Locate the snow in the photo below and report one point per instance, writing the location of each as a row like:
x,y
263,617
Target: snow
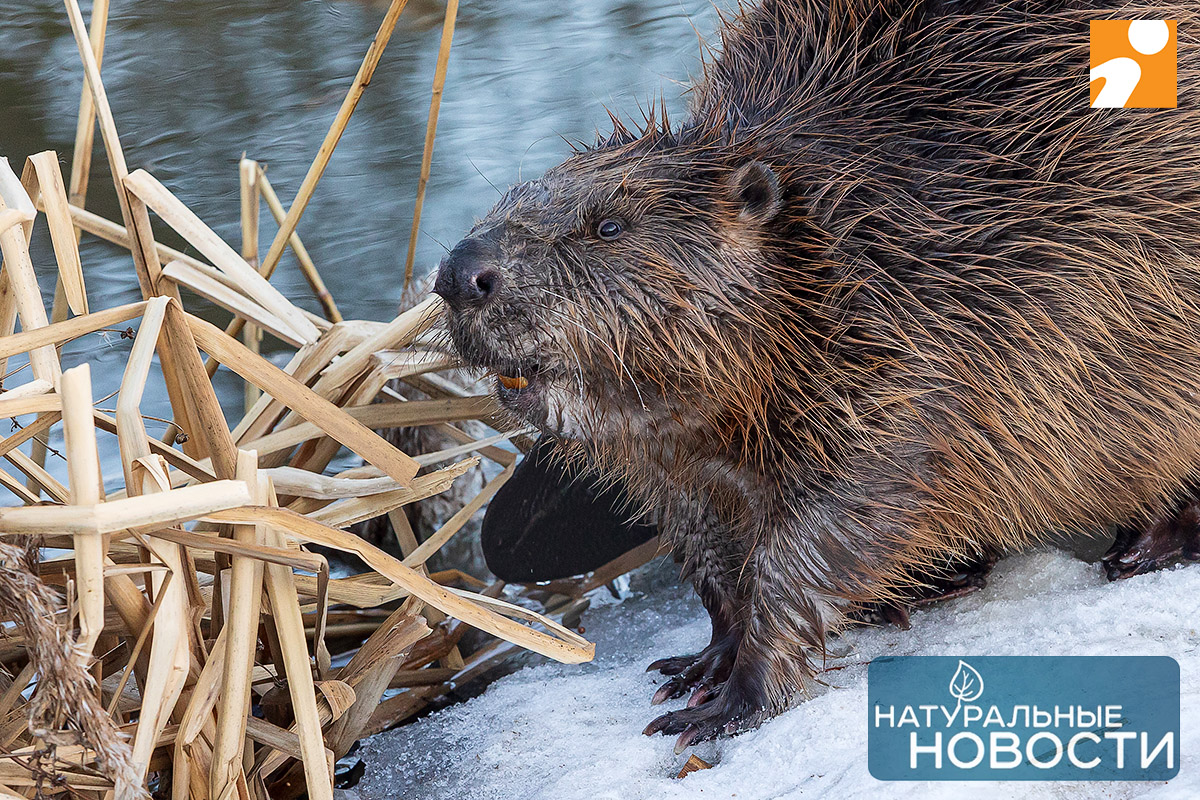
x,y
574,732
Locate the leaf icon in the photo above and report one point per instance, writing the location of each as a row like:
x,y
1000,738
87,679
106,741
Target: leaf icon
x,y
967,683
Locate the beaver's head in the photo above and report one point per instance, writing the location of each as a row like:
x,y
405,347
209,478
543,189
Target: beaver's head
x,y
614,294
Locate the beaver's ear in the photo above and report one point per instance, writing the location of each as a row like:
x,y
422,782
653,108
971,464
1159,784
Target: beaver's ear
x,y
755,190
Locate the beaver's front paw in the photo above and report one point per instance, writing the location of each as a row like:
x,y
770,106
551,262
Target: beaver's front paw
x,y
724,715
705,672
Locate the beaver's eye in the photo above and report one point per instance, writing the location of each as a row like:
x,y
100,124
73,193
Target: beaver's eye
x,y
608,230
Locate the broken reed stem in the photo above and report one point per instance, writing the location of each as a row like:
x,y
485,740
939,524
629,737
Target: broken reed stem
x,y
137,221
442,535
307,267
83,467
317,169
435,104
231,265
63,234
302,257
285,607
81,163
248,172
22,281
85,124
245,598
302,400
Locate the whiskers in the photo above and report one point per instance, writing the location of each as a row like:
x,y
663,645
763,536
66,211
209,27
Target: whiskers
x,y
619,360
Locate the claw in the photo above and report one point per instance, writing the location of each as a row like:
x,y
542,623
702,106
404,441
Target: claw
x,y
669,724
686,738
673,665
705,672
656,725
702,695
664,693
724,713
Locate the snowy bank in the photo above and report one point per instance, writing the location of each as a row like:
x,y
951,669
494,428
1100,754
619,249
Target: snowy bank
x,y
574,732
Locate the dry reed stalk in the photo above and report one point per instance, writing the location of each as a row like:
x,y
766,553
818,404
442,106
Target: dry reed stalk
x,y
22,281
287,227
192,748
316,455
29,186
111,232
331,705
627,562
371,670
335,377
146,187
62,232
249,193
243,307
37,476
165,669
344,513
36,402
23,342
384,415
484,613
35,428
17,488
85,121
12,216
87,487
307,267
170,650
130,513
435,104
455,523
136,220
304,366
365,71
242,622
176,459
285,608
302,400
81,161
131,431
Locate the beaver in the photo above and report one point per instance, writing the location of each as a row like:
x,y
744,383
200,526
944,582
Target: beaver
x,y
891,298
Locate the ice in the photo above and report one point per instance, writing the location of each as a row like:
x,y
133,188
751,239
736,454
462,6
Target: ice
x,y
574,732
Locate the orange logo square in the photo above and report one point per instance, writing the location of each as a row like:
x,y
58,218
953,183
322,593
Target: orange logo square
x,y
1133,63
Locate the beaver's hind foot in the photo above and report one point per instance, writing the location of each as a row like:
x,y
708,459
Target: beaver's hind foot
x,y
704,672
1140,550
723,714
962,578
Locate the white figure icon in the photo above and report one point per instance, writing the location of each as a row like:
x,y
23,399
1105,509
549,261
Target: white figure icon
x,y
1121,75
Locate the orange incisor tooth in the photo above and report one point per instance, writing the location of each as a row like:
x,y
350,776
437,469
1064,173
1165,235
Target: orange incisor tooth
x,y
514,383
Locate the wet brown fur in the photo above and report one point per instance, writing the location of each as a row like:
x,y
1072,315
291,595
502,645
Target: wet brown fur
x,y
973,320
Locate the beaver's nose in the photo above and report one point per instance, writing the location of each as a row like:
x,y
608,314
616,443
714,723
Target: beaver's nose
x,y
468,276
